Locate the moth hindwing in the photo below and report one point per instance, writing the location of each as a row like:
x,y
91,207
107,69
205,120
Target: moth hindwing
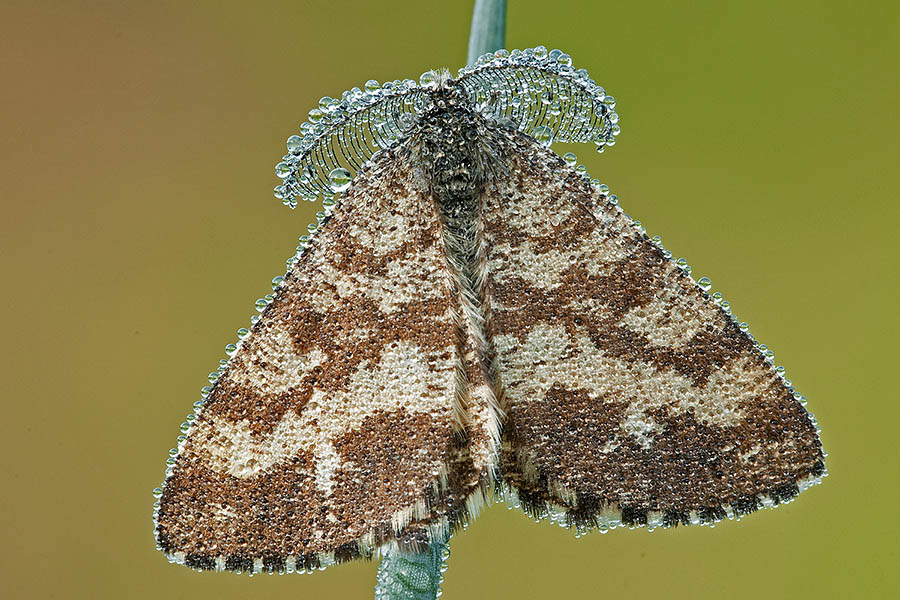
x,y
474,316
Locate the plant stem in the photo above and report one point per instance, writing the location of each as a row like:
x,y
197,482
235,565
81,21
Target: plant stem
x,y
418,576
488,33
415,576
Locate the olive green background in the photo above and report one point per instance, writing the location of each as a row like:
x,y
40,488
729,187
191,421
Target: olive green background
x,y
760,139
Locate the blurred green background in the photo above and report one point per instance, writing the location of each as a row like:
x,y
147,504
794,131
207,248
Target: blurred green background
x,y
759,139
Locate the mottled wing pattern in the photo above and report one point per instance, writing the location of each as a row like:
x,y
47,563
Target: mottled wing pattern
x,y
337,426
631,396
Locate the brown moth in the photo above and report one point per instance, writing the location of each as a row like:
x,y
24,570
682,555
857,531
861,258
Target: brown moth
x,y
474,318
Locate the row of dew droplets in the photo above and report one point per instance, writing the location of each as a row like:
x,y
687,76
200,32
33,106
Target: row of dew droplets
x,y
706,284
230,350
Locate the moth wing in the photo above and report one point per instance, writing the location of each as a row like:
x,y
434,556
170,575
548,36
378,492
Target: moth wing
x,y
631,396
336,426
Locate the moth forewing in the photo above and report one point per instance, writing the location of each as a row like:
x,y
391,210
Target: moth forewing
x,y
334,429
631,396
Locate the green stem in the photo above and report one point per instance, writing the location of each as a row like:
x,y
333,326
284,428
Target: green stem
x,y
412,576
488,33
418,576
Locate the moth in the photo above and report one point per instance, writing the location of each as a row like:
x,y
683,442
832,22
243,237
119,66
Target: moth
x,y
473,318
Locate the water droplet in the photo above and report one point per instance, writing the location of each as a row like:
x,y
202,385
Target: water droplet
x,y
339,179
261,304
295,144
157,492
570,158
681,263
230,349
276,281
242,333
372,85
283,170
543,135
540,52
315,115
427,79
705,283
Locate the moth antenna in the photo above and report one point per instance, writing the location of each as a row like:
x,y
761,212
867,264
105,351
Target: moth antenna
x,y
343,134
535,91
542,95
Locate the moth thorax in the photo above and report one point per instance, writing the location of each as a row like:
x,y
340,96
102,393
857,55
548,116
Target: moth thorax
x,y
451,145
